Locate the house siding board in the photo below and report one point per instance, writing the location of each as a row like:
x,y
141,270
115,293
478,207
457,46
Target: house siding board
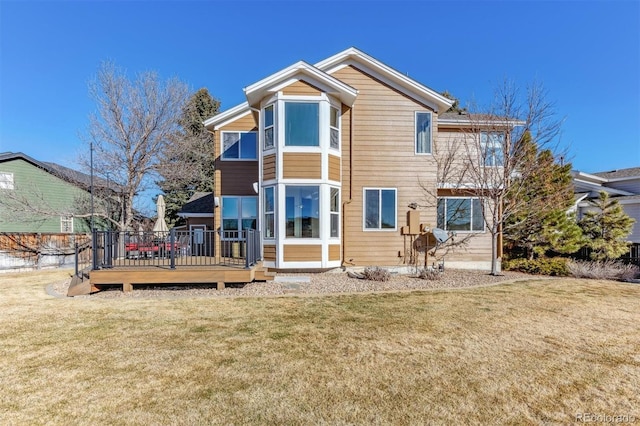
x,y
302,166
334,252
269,253
633,210
301,88
269,167
384,157
55,194
302,252
334,168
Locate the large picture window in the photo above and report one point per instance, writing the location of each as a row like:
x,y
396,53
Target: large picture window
x,y
239,146
492,151
303,211
269,212
302,123
238,214
423,133
380,209
460,214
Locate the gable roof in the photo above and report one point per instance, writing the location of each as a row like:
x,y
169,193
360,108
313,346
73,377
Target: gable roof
x,y
388,75
320,75
327,83
200,203
621,174
74,177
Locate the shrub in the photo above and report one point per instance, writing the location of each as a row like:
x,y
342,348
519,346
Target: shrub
x,y
376,274
429,274
603,270
556,266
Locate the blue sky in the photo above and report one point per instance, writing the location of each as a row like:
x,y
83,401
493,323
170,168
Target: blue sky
x,y
587,55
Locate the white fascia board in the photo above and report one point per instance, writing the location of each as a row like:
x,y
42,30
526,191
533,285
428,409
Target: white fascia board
x,y
257,91
398,80
577,174
465,123
226,116
596,188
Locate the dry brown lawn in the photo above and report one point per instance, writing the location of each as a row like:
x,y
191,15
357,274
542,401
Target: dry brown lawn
x,y
533,352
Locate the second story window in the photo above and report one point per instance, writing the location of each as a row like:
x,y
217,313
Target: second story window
x,y
302,126
268,127
334,124
423,133
6,180
239,146
491,146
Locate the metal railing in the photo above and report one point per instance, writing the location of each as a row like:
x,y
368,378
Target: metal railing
x,y
112,249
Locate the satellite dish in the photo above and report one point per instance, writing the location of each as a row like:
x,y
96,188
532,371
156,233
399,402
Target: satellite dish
x,y
440,235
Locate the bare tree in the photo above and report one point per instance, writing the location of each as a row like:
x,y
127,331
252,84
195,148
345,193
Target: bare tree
x,y
132,126
496,154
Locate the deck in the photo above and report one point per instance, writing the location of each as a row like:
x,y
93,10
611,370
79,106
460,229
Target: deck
x,y
175,267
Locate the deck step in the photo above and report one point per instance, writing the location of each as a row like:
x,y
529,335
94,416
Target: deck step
x,y
263,274
80,285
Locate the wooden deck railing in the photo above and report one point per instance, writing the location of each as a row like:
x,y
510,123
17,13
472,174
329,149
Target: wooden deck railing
x,y
112,249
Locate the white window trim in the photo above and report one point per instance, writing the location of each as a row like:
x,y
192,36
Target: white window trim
x,y
471,231
222,158
273,212
484,145
294,239
69,220
339,128
364,209
338,213
274,107
6,180
415,133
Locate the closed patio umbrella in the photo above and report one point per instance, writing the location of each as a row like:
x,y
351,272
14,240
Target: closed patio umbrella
x,y
160,227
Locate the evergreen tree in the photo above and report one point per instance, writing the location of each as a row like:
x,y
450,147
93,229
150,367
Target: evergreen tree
x,y
606,228
188,165
540,222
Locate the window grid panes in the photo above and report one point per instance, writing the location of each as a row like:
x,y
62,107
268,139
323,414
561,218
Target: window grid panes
x,y
423,132
268,127
302,126
491,144
334,125
335,212
238,214
460,214
269,213
380,209
239,146
6,180
66,224
303,211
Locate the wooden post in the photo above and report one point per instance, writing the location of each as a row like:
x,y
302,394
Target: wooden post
x,y
220,285
127,287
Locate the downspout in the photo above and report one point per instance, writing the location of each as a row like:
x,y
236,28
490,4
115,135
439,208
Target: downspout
x,y
345,203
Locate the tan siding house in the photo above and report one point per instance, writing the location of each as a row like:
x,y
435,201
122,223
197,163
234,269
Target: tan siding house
x,y
326,160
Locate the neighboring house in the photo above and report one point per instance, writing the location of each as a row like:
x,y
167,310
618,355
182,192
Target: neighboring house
x,y
39,197
622,185
198,211
326,159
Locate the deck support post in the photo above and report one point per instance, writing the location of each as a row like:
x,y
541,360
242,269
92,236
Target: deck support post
x,y
172,248
220,285
127,287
